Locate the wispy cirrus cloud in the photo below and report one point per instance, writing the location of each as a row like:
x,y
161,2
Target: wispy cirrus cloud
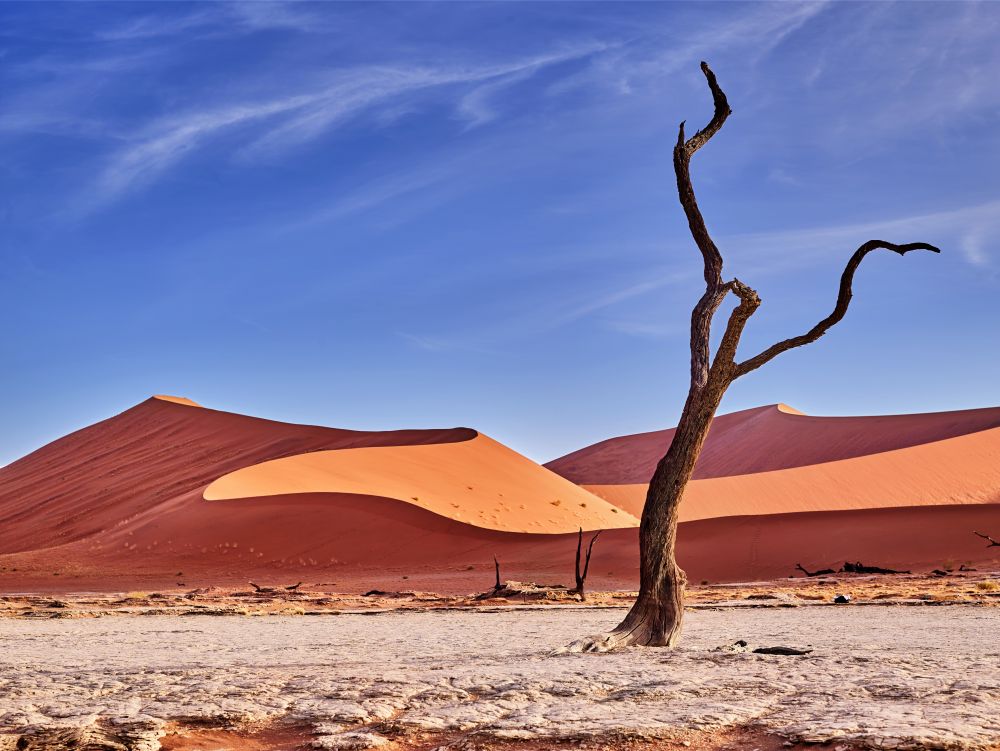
x,y
548,315
376,193
292,121
241,17
359,90
975,230
653,54
477,108
151,26
969,230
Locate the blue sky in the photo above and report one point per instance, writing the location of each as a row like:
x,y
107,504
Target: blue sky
x,y
379,216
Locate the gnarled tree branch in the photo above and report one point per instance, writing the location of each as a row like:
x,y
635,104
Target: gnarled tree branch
x,y
683,152
722,111
839,310
701,316
725,356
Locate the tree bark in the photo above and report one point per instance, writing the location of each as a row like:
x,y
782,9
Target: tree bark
x,y
581,574
656,617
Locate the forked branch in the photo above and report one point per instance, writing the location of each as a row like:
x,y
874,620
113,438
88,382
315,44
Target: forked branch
x,y
839,310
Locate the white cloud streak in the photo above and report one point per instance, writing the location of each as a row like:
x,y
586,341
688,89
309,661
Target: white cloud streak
x,y
296,119
968,227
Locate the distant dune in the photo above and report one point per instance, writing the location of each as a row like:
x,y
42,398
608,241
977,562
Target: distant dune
x,y
171,492
792,463
769,438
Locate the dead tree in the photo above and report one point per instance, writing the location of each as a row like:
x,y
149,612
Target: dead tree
x,y
274,590
990,542
581,578
498,586
655,618
821,572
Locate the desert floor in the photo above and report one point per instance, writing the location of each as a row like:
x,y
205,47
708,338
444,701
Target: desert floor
x,y
879,676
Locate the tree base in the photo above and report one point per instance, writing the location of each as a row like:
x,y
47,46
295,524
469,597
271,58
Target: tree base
x,y
647,625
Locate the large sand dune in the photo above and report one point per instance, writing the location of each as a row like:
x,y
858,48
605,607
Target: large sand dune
x,y
169,492
95,479
127,495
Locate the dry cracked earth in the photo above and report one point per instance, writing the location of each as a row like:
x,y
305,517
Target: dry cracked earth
x,y
878,677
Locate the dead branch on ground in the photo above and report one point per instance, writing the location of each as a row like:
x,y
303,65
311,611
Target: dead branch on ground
x,y
991,543
859,568
822,572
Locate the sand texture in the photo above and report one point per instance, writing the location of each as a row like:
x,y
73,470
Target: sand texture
x,y
881,677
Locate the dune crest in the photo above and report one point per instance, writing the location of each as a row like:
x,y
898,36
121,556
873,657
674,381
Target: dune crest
x,y
176,400
782,407
769,438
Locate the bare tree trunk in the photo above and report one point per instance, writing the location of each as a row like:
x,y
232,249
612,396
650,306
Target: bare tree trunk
x,y
581,574
656,617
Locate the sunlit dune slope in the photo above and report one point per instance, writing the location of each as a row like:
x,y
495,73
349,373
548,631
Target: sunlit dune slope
x,y
769,438
479,481
958,470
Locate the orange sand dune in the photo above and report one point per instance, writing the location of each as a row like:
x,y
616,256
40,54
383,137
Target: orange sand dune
x,y
958,470
143,460
121,505
97,478
479,481
766,439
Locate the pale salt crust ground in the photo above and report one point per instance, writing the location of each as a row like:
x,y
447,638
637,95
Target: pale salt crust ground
x,y
888,677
